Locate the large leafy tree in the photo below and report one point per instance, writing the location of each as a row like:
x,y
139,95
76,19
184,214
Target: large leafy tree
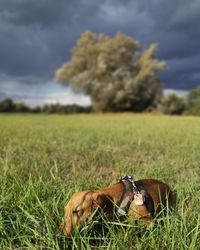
x,y
114,71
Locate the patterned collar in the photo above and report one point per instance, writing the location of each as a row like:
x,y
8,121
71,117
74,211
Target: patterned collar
x,y
129,192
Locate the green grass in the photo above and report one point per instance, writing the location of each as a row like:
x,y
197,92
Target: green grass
x,y
45,158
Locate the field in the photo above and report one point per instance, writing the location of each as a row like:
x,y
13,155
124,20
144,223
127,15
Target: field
x,y
45,158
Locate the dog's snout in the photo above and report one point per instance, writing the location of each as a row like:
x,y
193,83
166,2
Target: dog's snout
x,y
57,232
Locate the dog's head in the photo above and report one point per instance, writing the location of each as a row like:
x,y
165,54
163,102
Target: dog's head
x,y
80,207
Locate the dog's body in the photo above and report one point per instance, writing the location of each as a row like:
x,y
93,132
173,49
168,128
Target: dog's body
x,y
82,204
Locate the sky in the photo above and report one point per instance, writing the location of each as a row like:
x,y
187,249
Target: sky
x,y
36,37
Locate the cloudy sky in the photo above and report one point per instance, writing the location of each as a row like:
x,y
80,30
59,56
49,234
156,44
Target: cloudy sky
x,y
36,37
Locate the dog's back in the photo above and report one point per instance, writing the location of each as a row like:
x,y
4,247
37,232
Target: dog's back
x,y
159,192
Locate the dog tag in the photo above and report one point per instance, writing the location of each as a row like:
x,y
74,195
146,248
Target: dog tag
x,y
139,199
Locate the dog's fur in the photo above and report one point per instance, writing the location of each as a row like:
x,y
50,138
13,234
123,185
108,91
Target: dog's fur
x,y
82,204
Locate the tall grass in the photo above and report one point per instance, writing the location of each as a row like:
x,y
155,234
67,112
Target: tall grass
x,y
44,159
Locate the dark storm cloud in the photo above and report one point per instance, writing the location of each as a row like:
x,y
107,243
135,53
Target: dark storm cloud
x,y
45,13
36,36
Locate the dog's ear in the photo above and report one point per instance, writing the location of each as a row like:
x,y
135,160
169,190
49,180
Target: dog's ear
x,y
103,201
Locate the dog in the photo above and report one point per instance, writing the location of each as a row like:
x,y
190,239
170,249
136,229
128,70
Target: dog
x,y
141,200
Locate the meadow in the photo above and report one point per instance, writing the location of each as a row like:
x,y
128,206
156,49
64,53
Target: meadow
x,y
46,158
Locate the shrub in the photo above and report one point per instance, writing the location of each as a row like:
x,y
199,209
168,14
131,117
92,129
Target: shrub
x,y
193,101
173,105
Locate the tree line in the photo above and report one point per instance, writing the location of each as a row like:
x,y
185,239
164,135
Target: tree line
x,y
170,104
9,106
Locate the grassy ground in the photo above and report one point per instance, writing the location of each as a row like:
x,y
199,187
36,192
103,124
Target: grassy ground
x,y
44,159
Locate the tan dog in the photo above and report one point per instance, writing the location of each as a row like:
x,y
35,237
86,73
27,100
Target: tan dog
x,y
157,195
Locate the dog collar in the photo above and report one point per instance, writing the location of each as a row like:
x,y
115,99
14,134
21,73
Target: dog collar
x,y
130,193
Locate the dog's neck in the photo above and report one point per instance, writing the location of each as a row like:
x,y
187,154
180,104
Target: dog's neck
x,y
114,191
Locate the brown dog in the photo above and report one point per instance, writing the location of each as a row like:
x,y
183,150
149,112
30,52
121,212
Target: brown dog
x,y
156,193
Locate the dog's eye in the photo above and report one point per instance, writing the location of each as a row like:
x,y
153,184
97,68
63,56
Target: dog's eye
x,y
78,212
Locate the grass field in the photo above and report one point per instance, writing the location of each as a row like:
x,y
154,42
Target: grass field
x,y
45,158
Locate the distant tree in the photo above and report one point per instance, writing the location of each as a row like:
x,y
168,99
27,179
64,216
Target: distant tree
x,y
21,107
173,105
65,109
36,109
114,72
74,108
50,108
193,101
7,105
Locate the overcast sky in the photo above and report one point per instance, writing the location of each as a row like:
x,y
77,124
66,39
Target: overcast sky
x,y
36,37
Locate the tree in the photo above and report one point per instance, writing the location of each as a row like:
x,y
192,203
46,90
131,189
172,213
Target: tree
x,y
116,74
7,105
172,104
65,109
193,101
21,107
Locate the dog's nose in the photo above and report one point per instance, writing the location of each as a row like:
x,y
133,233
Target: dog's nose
x,y
57,232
